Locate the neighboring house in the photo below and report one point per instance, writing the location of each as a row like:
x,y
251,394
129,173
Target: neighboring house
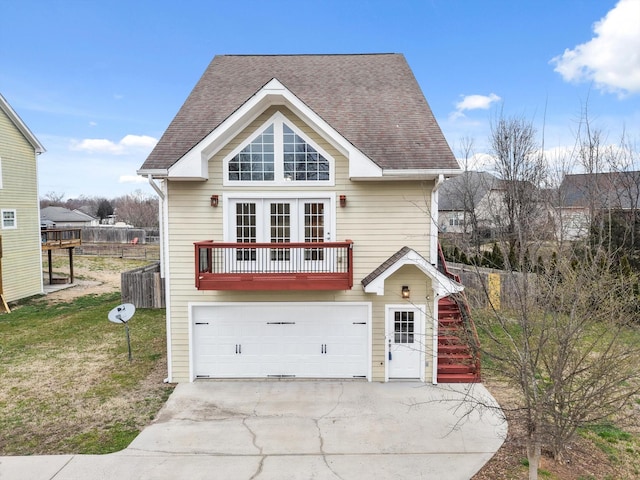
x,y
65,218
471,194
299,220
582,196
21,256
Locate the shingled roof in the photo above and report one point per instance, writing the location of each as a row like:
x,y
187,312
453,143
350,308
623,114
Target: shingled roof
x,y
373,101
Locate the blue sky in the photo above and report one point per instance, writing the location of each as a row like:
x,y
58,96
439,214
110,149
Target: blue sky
x,y
99,81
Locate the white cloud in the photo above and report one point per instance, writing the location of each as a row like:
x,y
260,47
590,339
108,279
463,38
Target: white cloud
x,y
473,102
127,145
132,179
612,58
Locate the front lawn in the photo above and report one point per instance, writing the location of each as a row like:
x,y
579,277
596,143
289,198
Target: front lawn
x,y
67,384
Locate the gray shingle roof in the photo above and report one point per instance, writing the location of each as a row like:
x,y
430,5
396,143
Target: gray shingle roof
x,y
469,188
603,190
388,263
374,101
61,214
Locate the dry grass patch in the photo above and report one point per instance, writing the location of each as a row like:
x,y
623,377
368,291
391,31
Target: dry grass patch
x,y
67,385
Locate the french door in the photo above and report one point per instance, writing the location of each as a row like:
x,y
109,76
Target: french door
x,y
280,221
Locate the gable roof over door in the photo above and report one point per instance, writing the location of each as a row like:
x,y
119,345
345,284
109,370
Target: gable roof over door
x,y
373,101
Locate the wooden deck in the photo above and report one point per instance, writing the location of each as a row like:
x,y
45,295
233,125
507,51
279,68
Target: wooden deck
x,y
53,239
60,238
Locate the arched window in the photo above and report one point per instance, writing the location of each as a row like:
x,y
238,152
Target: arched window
x,y
278,153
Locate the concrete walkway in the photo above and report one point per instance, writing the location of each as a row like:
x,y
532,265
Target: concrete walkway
x,y
296,430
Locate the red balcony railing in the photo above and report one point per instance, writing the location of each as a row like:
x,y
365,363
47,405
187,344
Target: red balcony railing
x,y
274,266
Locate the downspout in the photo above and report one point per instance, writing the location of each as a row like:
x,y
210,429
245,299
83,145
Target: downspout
x,y
161,218
433,258
433,254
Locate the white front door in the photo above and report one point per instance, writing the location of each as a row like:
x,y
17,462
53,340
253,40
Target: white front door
x,y
405,342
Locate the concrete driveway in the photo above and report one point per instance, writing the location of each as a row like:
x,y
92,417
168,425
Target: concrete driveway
x,y
296,430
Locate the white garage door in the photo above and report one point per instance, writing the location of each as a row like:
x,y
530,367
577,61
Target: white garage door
x,y
280,340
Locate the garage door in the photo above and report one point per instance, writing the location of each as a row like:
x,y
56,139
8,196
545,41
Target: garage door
x,y
280,340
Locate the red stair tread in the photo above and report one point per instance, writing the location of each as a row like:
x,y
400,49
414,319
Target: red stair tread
x,y
456,364
458,378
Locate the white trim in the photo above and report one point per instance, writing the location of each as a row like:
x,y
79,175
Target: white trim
x,y
409,174
194,164
278,119
434,346
20,125
165,269
442,285
15,219
421,322
191,305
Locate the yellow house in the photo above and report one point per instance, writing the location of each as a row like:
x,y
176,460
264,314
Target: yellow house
x,y
299,220
21,257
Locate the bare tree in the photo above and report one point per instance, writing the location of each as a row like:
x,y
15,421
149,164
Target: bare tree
x,y
521,166
137,209
565,346
564,343
51,199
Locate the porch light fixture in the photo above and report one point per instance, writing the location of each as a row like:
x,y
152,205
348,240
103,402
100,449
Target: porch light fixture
x,y
343,201
406,293
214,200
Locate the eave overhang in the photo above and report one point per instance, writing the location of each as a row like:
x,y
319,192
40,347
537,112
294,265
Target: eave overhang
x,y
21,126
442,285
410,174
193,166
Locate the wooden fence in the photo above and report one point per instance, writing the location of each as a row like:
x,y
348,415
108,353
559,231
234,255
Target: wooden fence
x,y
143,287
113,235
485,285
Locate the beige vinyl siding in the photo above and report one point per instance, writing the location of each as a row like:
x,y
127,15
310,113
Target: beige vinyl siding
x,y
21,258
380,218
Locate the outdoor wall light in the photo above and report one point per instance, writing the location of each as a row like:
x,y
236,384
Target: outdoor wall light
x,y
406,293
214,200
343,201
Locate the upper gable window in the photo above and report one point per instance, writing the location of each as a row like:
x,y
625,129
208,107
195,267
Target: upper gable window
x,y
279,154
301,160
255,161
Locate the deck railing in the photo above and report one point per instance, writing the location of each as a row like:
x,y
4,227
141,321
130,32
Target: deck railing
x,y
274,266
60,237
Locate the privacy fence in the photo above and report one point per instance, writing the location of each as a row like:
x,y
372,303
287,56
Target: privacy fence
x,y
485,286
143,287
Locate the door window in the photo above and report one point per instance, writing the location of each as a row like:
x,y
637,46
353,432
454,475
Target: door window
x,y
403,327
246,230
280,220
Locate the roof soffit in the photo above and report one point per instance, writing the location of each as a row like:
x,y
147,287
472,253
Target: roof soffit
x,y
194,164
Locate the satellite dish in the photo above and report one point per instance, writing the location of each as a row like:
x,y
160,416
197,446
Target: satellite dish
x,y
122,313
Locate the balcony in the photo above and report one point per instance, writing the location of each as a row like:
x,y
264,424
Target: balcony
x,y
274,266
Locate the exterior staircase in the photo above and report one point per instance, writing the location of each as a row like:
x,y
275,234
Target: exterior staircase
x,y
458,352
458,344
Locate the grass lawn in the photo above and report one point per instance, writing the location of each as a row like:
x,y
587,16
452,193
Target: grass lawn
x,y
606,451
67,384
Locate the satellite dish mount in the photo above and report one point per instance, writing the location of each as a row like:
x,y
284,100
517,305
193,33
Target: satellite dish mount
x,y
122,314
